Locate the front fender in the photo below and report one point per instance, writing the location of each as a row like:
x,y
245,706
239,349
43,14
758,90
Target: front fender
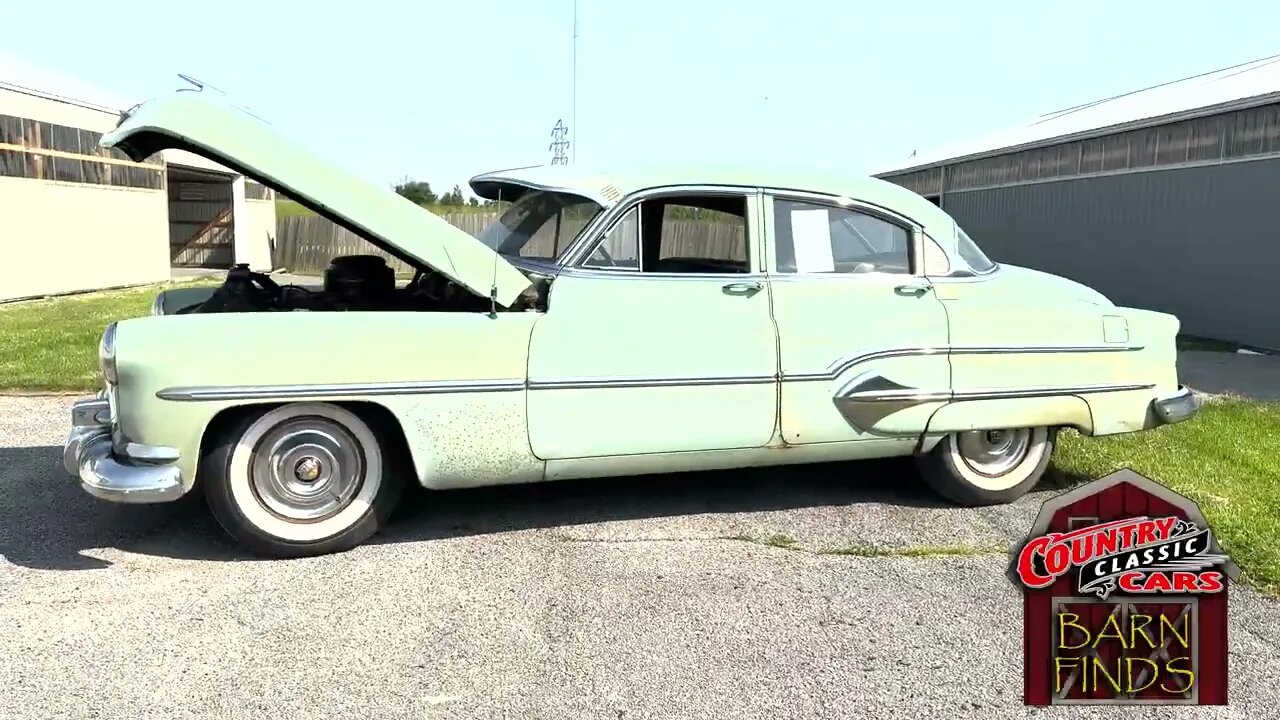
x,y
176,373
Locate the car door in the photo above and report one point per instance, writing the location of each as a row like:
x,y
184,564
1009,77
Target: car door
x,y
660,339
863,338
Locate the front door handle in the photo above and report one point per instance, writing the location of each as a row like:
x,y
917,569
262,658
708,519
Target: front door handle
x,y
742,288
915,288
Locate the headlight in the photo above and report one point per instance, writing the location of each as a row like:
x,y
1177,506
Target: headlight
x,y
107,354
157,306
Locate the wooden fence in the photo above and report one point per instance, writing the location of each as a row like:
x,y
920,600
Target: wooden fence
x,y
306,243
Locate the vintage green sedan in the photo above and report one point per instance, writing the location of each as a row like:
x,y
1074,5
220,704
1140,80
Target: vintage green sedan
x,y
604,325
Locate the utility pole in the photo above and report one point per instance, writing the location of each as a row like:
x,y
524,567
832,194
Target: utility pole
x,y
563,151
559,144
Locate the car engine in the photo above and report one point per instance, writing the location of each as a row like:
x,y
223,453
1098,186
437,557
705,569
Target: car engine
x,y
351,283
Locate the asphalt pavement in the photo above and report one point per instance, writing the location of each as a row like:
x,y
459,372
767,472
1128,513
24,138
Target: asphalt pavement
x,y
621,598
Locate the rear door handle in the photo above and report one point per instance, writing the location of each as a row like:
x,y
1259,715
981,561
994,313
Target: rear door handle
x,y
742,288
915,288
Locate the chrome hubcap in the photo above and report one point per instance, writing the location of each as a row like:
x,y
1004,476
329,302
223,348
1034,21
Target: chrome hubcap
x,y
306,469
994,452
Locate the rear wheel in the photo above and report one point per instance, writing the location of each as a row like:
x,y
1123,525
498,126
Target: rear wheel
x,y
988,467
300,479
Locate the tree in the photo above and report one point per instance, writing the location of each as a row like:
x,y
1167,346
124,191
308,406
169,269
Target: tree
x,y
474,201
453,197
417,191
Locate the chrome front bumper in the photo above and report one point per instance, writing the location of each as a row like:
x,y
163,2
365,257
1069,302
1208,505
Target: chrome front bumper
x,y
143,475
1177,407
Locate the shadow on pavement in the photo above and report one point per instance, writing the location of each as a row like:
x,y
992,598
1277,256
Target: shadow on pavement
x,y
48,522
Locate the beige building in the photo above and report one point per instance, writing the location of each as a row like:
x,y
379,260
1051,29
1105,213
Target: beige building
x,y
76,217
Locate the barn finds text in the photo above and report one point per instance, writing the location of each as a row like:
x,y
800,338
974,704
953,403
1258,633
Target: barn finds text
x,y
1123,655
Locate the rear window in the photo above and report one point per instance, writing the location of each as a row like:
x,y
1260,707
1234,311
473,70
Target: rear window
x,y
971,254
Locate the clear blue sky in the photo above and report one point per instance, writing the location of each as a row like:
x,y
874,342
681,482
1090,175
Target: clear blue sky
x,y
440,91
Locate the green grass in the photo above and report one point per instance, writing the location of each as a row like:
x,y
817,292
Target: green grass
x,y
52,344
918,551
289,208
777,540
1227,459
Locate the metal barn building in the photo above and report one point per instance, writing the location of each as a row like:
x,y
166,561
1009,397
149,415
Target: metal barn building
x,y
76,217
1166,198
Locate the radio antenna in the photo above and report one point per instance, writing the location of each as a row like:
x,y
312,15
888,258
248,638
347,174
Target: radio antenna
x,y
573,116
493,286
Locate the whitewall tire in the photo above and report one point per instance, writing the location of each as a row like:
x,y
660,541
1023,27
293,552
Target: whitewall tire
x,y
988,467
301,479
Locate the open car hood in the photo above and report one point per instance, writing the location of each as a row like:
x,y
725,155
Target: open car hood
x,y
199,123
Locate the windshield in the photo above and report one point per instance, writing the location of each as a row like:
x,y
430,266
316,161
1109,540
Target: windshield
x,y
972,255
540,225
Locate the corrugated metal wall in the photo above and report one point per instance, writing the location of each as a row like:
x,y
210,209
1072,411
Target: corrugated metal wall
x,y
201,227
1202,243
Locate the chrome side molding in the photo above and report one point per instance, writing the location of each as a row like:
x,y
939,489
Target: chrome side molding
x,y
272,392
430,387
868,398
846,362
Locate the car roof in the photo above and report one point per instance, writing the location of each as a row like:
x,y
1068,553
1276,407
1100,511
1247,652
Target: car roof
x,y
609,187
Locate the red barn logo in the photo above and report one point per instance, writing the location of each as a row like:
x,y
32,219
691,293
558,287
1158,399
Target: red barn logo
x,y
1125,598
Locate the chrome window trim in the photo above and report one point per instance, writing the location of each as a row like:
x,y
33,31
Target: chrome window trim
x,y
954,261
592,235
605,236
600,274
843,201
925,241
916,230
955,258
882,277
983,277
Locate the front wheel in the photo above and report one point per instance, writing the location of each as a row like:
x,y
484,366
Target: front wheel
x,y
300,479
988,467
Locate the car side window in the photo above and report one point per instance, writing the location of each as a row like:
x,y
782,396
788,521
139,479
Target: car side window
x,y
813,237
696,238
620,249
678,234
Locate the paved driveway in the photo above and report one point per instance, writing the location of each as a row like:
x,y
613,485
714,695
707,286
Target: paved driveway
x,y
1255,376
608,599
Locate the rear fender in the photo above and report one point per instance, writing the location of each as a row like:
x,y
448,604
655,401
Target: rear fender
x,y
1058,411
